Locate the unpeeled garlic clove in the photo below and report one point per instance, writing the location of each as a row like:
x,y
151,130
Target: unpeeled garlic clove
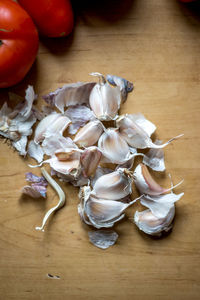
x,y
104,100
89,134
90,159
153,225
136,130
124,85
146,184
51,124
113,186
114,147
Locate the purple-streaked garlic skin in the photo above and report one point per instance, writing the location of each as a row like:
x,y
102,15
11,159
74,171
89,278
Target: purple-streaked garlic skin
x,y
89,134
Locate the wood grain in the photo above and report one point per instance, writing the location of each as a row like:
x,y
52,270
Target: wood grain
x,y
156,44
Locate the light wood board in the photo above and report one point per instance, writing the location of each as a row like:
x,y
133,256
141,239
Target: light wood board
x,y
155,44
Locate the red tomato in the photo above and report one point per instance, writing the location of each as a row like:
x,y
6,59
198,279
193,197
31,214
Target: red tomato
x,y
54,18
18,43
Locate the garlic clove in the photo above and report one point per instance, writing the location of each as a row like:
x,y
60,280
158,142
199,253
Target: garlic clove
x,y
154,158
56,141
103,239
51,124
104,100
113,186
146,184
90,159
160,205
124,85
136,130
99,172
114,147
70,94
153,225
89,134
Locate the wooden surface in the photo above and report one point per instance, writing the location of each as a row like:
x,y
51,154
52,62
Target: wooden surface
x,y
155,44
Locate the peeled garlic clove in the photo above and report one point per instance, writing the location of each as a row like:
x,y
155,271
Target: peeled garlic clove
x,y
90,159
103,239
70,94
114,147
160,205
113,186
104,100
89,134
51,124
153,225
124,85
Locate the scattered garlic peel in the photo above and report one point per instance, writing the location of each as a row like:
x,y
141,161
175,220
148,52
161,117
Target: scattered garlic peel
x,y
103,239
60,193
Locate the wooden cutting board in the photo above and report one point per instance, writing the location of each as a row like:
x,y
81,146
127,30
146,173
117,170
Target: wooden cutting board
x,y
155,44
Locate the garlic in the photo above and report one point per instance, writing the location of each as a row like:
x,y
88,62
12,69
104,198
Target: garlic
x,y
136,130
103,239
113,186
37,188
124,85
79,116
146,184
89,134
53,123
154,158
70,94
35,151
153,225
66,162
104,100
56,141
114,147
60,193
90,159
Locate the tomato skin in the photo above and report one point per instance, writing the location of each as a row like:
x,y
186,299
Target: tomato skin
x,y
54,18
18,43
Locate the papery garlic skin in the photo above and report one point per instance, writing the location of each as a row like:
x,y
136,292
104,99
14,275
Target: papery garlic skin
x,y
53,123
113,186
152,225
105,100
89,134
114,147
103,239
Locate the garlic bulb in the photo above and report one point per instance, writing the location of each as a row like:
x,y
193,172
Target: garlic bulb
x,y
113,186
89,134
153,225
136,130
104,100
146,184
53,123
114,147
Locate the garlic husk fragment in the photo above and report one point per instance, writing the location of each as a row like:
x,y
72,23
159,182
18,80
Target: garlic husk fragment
x,y
154,159
113,186
54,123
17,124
79,116
70,94
90,159
146,184
160,205
104,100
56,141
60,193
153,225
35,151
124,85
89,134
34,192
136,130
37,188
103,239
114,147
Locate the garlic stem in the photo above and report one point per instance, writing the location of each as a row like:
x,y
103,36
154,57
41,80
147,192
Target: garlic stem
x,y
60,193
